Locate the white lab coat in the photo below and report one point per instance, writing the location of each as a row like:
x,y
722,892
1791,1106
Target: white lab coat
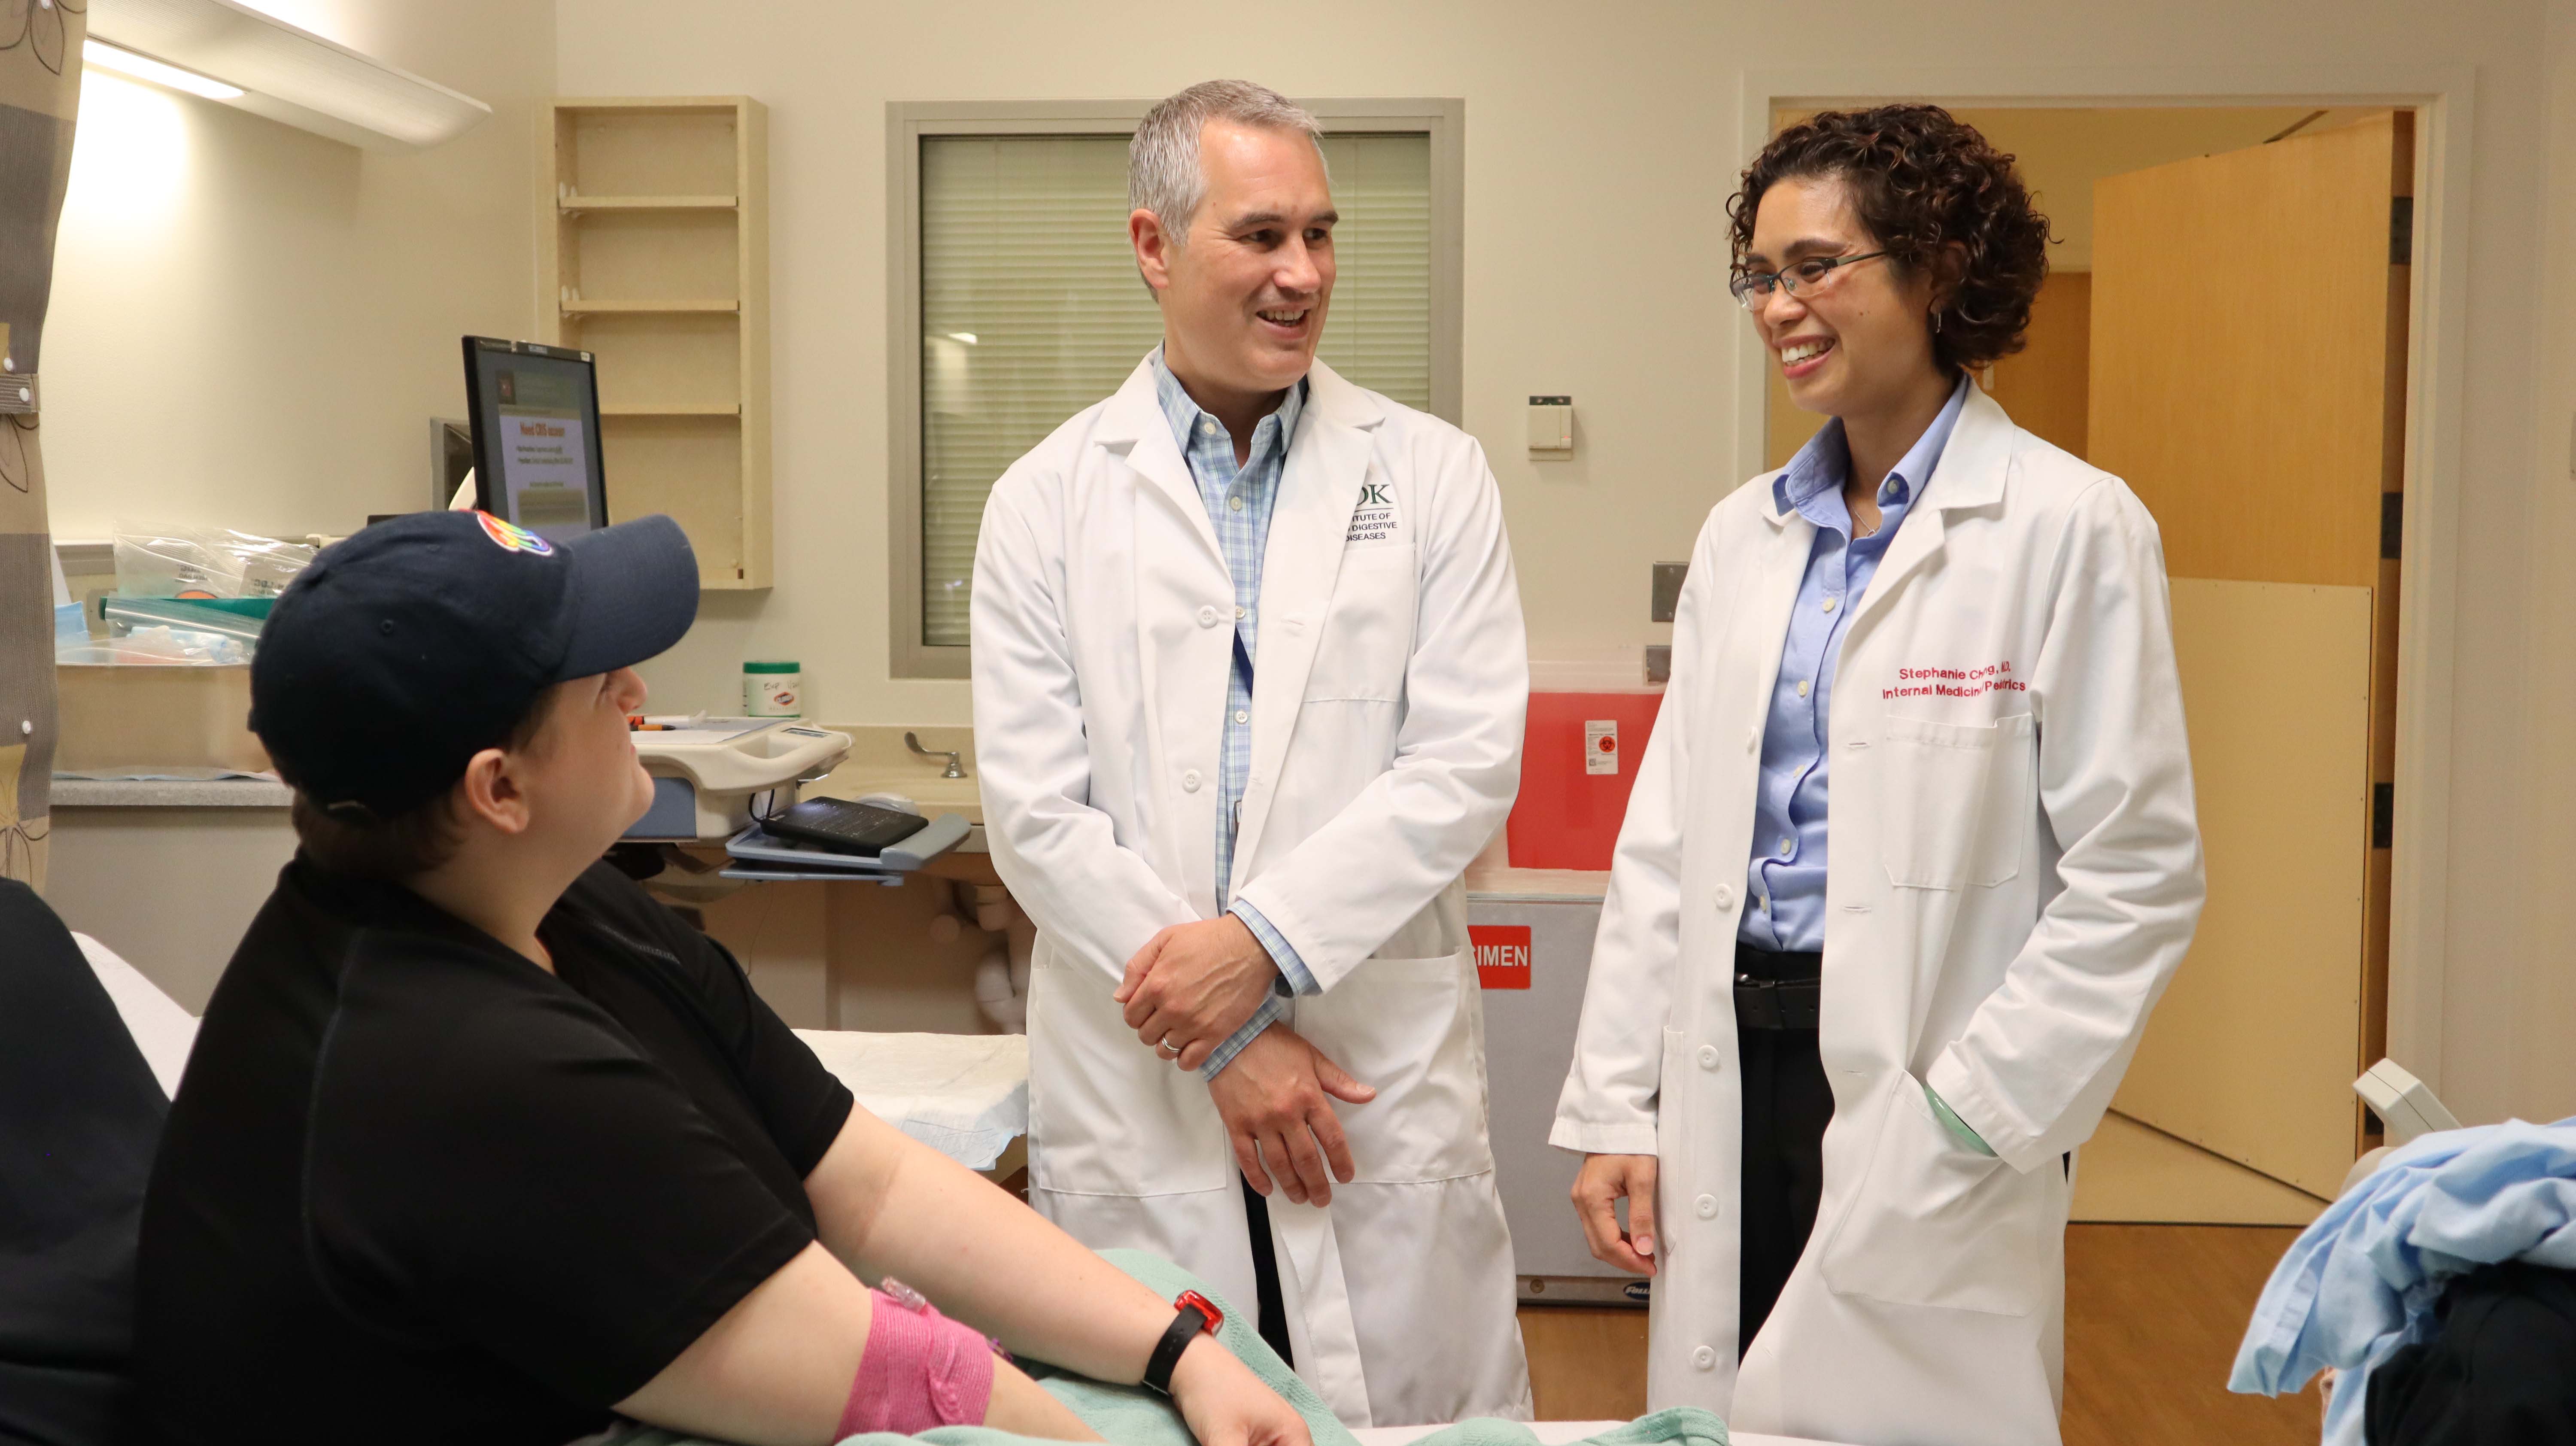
x,y
1390,685
2015,873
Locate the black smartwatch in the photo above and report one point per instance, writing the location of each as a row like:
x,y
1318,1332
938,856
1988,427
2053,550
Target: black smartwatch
x,y
1194,1315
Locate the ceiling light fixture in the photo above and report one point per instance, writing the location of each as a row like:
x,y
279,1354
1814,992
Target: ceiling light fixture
x,y
144,67
290,75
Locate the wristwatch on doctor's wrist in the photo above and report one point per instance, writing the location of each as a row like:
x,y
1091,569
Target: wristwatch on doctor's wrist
x,y
1194,1315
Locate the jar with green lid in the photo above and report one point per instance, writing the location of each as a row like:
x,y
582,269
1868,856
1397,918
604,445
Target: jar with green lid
x,y
773,690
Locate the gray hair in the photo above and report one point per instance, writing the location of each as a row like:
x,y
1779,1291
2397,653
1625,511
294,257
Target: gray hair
x,y
1163,171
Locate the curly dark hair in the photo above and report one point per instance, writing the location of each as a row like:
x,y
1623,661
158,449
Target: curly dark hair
x,y
1920,179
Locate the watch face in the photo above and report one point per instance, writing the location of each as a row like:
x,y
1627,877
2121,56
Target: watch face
x,y
1192,1300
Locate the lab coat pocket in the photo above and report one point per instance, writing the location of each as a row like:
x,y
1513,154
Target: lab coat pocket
x,y
1958,801
1935,1224
1105,1116
1368,629
1404,1026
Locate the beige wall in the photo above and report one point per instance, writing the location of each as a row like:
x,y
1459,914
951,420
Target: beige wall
x,y
252,325
2527,959
256,335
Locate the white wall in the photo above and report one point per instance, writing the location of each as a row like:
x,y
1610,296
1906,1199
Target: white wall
x,y
1601,145
252,325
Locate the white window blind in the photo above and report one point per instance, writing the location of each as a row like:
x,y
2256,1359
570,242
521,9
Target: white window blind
x,y
1032,309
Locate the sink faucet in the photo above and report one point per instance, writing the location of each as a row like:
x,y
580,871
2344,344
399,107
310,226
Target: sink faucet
x,y
913,742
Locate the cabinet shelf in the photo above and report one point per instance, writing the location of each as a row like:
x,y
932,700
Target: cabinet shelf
x,y
645,203
645,308
661,206
671,409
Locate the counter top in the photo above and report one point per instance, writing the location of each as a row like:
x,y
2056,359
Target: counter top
x,y
170,793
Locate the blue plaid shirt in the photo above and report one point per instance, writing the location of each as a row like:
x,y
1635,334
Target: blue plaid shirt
x,y
1240,502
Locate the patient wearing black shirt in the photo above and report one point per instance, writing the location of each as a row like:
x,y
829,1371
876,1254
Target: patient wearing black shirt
x,y
416,1183
480,1145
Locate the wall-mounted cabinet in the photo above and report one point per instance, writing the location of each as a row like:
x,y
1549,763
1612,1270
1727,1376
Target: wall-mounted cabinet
x,y
655,259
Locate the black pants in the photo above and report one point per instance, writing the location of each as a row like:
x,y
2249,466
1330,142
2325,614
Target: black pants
x,y
1787,1104
1265,1275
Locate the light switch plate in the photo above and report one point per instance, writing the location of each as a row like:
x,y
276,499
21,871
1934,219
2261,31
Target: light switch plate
x,y
1551,425
1668,590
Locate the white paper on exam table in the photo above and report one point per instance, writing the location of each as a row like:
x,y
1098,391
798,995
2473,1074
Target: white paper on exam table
x,y
1558,1433
964,1095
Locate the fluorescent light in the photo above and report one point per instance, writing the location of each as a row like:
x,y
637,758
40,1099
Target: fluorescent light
x,y
967,337
287,74
144,67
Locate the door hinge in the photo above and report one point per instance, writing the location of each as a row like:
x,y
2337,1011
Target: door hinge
x,y
2383,815
2392,526
2401,230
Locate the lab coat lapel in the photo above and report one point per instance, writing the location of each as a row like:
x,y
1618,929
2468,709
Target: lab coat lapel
x,y
1970,474
1134,429
1318,490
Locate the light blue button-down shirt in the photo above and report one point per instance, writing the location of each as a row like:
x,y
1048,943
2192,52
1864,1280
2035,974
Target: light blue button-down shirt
x,y
1784,904
1240,502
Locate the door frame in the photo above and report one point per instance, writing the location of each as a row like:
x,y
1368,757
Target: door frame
x,y
2443,98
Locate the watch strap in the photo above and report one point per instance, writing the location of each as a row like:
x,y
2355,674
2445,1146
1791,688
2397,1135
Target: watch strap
x,y
1193,1317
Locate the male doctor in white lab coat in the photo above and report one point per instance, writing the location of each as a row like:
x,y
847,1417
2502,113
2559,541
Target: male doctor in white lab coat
x,y
1249,680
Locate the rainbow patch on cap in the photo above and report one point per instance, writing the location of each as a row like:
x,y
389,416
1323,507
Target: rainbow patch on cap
x,y
514,537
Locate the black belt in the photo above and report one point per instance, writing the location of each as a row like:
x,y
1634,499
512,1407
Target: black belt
x,y
1775,990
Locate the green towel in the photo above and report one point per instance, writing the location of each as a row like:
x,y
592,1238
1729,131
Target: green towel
x,y
1135,1416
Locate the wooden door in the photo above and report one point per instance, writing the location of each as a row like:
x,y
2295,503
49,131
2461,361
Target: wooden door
x,y
2248,380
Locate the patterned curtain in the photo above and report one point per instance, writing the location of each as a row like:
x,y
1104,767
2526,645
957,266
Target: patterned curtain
x,y
40,76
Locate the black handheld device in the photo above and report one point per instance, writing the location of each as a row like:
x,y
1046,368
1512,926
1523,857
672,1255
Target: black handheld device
x,y
843,826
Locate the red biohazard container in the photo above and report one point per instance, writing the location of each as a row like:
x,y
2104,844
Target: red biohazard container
x,y
1588,724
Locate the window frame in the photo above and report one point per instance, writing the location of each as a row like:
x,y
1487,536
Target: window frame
x,y
909,123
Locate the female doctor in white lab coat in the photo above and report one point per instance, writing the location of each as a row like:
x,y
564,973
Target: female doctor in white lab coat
x,y
1838,1087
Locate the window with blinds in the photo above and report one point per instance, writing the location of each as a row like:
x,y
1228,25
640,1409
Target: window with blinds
x,y
1031,309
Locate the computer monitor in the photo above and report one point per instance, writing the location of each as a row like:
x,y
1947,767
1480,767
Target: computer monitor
x,y
535,412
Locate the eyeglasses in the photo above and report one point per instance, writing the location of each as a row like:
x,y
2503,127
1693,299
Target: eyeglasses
x,y
1752,288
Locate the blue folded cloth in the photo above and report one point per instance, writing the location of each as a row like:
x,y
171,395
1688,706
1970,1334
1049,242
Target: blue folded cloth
x,y
2362,1280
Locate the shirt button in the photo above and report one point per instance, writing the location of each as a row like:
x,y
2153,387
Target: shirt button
x,y
1234,504
1242,716
1706,1205
1208,425
1802,687
1724,898
1708,1056
1207,617
1829,604
1238,614
1787,844
1704,1358
1190,781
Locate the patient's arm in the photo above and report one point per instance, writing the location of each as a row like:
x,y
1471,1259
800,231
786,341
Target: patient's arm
x,y
890,1205
776,1369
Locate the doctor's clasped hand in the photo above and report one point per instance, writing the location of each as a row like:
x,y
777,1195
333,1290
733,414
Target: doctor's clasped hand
x,y
1195,984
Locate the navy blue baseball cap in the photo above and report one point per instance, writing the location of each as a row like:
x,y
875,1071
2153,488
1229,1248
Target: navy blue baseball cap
x,y
401,652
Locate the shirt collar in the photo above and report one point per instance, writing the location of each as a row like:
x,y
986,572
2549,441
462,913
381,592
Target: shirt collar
x,y
1184,413
1825,461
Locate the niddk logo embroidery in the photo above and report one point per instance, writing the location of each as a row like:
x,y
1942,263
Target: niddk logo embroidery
x,y
1375,518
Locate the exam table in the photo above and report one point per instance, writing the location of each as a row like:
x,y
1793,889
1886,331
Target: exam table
x,y
964,1095
1558,1433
